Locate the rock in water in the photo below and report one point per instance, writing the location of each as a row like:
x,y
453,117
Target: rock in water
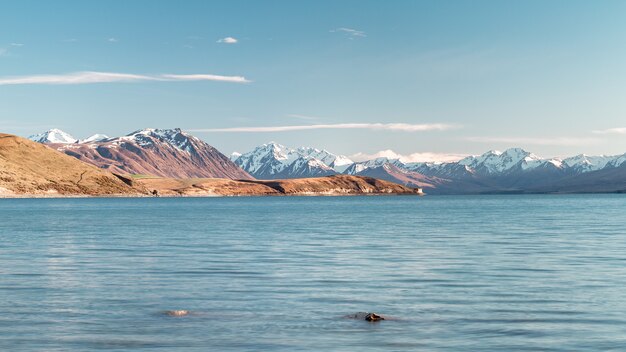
x,y
177,313
372,317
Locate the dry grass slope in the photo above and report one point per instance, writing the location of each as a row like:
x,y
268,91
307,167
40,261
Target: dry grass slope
x,y
30,168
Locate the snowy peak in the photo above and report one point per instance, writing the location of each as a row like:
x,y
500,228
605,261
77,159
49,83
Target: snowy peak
x,y
53,136
273,160
278,151
496,162
175,138
94,138
267,160
584,163
337,162
359,167
306,166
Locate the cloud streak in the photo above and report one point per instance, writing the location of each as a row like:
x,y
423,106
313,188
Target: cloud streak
x,y
350,126
89,77
303,117
556,141
409,158
618,130
349,31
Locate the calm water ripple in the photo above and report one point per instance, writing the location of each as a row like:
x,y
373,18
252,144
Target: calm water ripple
x,y
474,273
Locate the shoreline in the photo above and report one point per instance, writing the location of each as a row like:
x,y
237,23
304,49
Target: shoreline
x,y
69,196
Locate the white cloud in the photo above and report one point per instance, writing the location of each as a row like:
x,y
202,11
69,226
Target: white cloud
x,y
618,130
409,158
349,32
555,141
228,40
204,77
107,77
112,40
369,126
17,44
303,117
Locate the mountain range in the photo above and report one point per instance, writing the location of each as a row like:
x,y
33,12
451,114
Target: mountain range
x,y
32,169
174,153
512,171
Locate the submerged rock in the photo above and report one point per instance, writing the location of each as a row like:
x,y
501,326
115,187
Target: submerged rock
x,y
373,317
367,316
177,313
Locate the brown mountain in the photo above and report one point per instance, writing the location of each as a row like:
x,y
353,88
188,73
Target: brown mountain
x,y
30,168
164,153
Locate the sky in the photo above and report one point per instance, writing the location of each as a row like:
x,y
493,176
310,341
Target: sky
x,y
424,79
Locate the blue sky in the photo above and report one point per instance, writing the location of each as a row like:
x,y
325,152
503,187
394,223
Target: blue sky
x,y
451,77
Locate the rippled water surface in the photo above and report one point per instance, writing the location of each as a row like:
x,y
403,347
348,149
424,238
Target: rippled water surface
x,y
473,273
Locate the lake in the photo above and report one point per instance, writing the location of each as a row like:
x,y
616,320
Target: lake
x,y
455,273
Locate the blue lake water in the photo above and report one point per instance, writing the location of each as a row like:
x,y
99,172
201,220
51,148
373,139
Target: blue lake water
x,y
470,273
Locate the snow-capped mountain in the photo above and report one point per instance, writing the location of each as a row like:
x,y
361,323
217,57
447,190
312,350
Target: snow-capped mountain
x,y
94,138
337,162
173,153
358,167
53,136
274,161
583,163
513,170
306,166
266,161
157,152
514,159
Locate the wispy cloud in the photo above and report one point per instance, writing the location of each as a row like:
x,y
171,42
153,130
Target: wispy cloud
x,y
555,141
228,40
112,40
350,32
409,158
350,126
303,117
617,130
108,77
7,50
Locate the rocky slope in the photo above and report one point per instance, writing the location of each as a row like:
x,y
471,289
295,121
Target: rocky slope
x,y
32,169
164,153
